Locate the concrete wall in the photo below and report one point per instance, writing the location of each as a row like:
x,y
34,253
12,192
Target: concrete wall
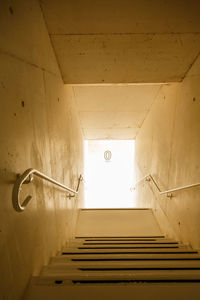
x,y
38,129
168,147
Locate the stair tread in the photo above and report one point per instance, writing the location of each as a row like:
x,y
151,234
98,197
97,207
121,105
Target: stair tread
x,y
121,237
74,264
113,251
42,289
127,245
127,256
103,240
135,274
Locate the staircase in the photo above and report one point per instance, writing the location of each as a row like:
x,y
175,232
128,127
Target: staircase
x,y
120,267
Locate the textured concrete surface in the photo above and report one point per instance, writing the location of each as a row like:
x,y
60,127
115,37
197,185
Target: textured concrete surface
x,y
125,58
176,291
92,16
168,146
38,129
113,111
123,41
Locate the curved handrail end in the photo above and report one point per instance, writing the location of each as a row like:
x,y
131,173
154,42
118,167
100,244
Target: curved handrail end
x,y
27,177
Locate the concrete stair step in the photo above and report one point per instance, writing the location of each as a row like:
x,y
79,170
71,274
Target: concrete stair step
x,y
75,251
119,264
123,257
120,237
110,240
136,246
65,268
138,275
126,244
50,290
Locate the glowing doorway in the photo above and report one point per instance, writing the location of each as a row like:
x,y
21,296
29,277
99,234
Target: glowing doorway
x,y
109,173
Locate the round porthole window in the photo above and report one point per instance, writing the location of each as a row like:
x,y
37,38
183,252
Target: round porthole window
x,y
107,155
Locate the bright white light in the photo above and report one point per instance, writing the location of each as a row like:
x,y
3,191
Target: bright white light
x,y
108,183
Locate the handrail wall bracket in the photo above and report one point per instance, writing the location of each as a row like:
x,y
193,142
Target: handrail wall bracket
x,y
168,193
26,178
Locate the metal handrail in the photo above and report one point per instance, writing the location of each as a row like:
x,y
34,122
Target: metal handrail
x,y
149,177
27,177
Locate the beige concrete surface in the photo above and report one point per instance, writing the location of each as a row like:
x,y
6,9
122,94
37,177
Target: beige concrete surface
x,y
38,129
24,35
113,111
176,291
67,266
92,16
151,291
137,275
168,147
123,41
110,133
116,222
125,58
160,256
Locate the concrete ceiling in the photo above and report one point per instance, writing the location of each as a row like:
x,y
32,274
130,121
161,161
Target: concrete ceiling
x,y
123,41
113,111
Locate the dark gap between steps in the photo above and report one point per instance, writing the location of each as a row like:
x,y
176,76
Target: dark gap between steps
x,y
138,269
133,259
133,281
